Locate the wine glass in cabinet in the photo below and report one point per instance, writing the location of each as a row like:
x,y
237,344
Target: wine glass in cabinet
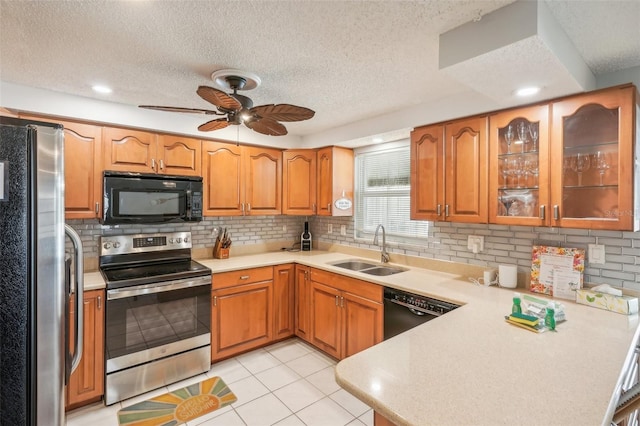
x,y
519,166
593,134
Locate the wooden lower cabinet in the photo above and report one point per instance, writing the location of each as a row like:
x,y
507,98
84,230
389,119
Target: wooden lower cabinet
x,y
283,301
302,302
346,314
241,314
380,420
86,384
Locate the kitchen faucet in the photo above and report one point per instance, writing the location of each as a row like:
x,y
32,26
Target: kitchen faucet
x,y
384,256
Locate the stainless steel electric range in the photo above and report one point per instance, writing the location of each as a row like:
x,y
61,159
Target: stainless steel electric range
x,y
158,312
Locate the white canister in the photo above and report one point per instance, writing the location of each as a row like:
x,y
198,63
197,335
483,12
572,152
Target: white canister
x,y
508,276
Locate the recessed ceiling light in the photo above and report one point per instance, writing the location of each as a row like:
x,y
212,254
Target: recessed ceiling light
x,y
527,91
377,139
101,89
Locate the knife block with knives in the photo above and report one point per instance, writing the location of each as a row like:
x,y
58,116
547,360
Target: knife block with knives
x,y
221,246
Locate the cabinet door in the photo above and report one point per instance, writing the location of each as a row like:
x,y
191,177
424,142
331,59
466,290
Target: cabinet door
x,y
427,173
129,150
302,303
241,319
519,166
263,181
86,384
179,156
222,179
283,301
363,323
466,168
299,182
326,321
592,160
334,180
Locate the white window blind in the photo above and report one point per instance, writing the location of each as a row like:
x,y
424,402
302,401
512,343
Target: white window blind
x,y
382,194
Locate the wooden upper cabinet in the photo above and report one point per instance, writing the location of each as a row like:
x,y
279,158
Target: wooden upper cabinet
x,y
263,181
241,180
466,170
427,173
82,168
299,182
179,156
449,171
129,150
519,166
334,181
592,160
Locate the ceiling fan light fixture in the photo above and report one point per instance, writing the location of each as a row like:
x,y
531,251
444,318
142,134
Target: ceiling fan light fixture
x,y
100,88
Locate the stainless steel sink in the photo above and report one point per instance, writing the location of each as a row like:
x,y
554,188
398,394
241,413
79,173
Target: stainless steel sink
x,y
371,268
383,271
355,265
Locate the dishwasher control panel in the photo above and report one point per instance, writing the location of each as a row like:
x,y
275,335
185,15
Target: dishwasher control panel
x,y
419,303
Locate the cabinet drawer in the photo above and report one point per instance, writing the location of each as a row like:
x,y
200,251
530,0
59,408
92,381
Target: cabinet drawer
x,y
244,276
355,286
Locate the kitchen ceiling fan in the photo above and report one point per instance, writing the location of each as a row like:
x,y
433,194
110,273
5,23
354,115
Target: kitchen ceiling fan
x,y
238,109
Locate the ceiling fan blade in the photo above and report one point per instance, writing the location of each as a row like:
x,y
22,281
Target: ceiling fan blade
x,y
219,98
266,126
283,112
179,109
217,124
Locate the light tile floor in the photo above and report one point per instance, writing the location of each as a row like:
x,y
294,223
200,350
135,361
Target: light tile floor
x,y
288,383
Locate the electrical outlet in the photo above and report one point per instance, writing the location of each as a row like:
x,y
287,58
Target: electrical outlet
x,y
329,229
343,230
596,254
284,228
475,243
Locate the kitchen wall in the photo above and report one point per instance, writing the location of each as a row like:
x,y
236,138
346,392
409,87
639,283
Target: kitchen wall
x,y
446,241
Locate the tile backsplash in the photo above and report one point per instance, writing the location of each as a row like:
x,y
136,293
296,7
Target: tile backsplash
x,y
446,241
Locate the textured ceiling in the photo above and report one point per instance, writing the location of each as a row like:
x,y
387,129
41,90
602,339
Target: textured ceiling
x,y
347,60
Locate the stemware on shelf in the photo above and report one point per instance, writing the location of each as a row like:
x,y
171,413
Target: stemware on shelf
x,y
580,164
509,136
531,168
601,163
523,130
533,131
517,168
504,170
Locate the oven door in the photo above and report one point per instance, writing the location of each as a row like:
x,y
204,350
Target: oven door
x,y
149,322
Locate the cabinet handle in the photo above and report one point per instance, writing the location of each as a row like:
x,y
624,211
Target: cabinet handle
x,y
242,208
153,163
313,208
438,209
244,277
215,300
556,212
329,207
97,208
337,297
161,165
248,207
99,302
446,210
542,212
341,302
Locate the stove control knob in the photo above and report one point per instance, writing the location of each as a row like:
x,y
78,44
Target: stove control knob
x,y
186,239
116,245
107,245
178,240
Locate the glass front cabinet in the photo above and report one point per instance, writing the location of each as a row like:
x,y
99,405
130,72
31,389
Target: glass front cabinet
x,y
568,163
519,166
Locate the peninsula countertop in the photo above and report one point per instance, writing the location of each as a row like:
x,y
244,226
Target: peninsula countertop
x,y
470,367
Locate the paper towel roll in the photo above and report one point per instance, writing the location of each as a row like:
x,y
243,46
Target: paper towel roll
x,y
508,276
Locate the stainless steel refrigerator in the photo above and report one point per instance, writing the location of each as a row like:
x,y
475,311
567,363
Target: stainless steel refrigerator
x,y
35,283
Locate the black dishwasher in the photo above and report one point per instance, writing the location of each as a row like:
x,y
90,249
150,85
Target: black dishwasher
x,y
403,310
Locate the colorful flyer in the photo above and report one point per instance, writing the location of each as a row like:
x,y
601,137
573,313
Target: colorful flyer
x,y
556,268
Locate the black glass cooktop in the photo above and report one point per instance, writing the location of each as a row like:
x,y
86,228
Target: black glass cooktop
x,y
149,273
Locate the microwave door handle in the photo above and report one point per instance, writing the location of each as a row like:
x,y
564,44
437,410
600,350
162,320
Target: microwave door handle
x,y
78,271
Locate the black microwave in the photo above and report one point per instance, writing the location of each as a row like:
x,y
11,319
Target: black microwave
x,y
149,198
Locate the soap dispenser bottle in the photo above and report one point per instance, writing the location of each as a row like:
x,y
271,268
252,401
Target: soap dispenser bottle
x,y
516,308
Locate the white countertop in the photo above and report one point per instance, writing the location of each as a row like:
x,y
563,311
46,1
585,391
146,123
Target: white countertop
x,y
470,367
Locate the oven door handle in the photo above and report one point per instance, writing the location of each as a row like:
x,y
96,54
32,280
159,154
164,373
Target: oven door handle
x,y
141,290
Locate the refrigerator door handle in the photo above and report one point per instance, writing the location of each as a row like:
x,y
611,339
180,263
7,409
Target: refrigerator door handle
x,y
79,295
